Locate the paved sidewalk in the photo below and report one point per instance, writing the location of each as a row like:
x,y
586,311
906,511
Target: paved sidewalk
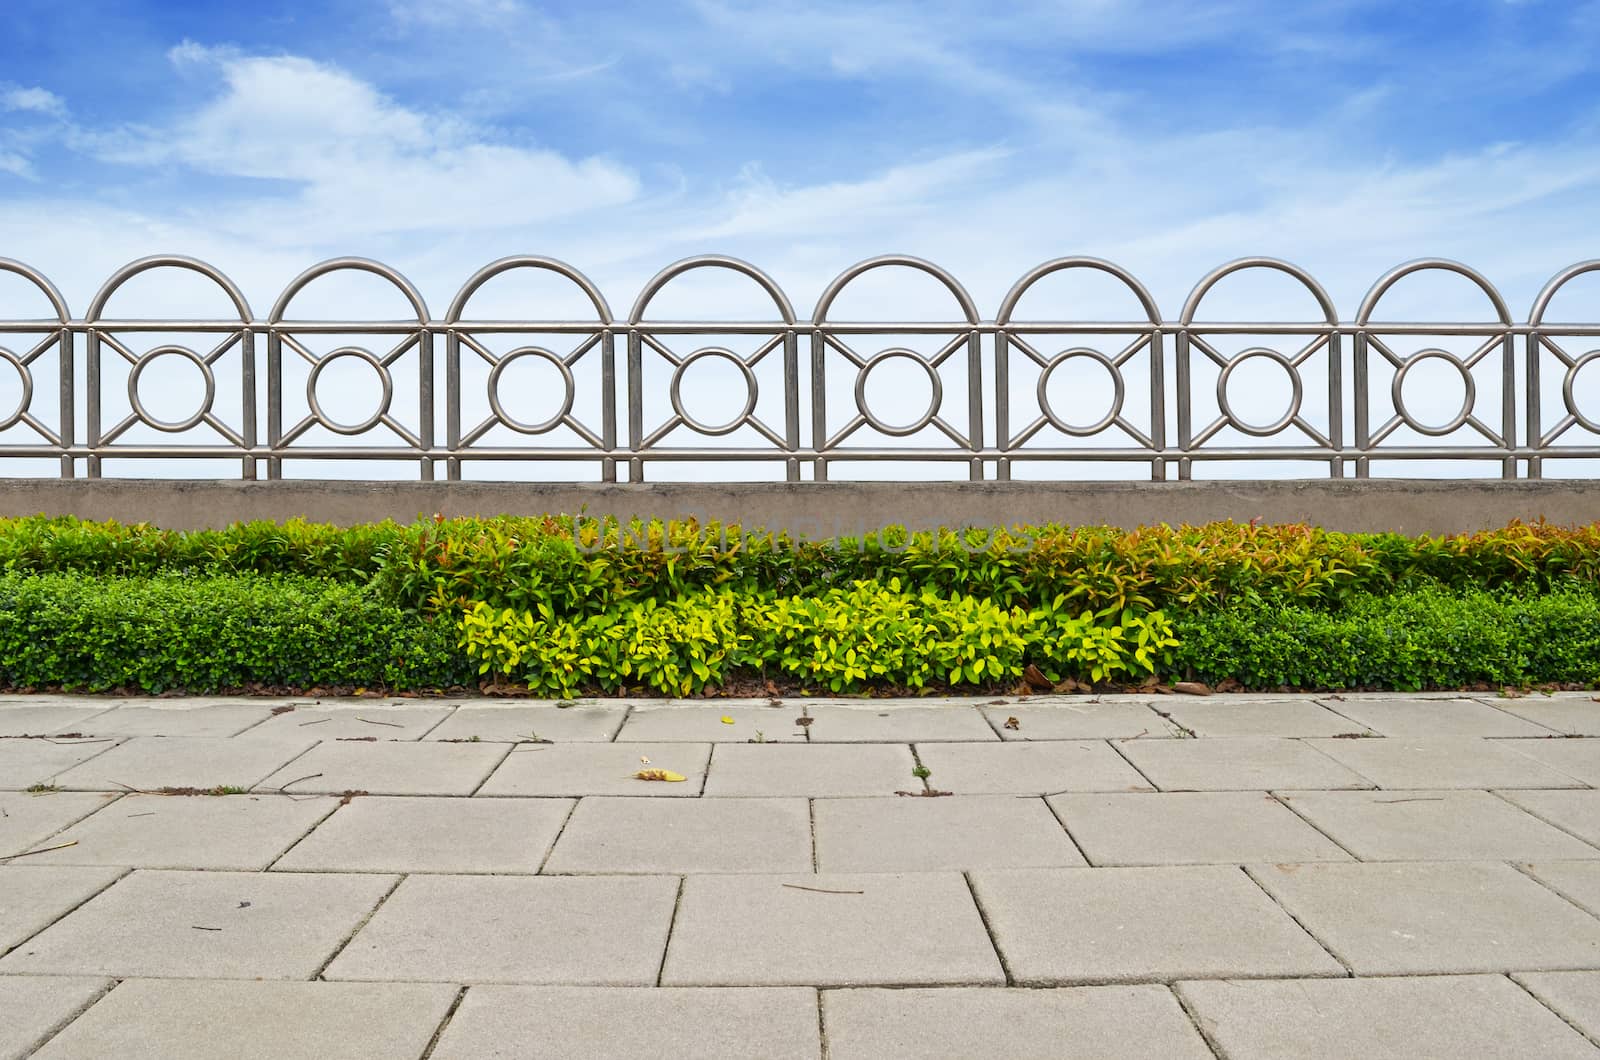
x,y
1241,877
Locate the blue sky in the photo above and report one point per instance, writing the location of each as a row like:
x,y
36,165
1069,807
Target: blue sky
x,y
438,134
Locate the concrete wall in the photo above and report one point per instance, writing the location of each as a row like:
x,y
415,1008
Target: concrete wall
x,y
827,509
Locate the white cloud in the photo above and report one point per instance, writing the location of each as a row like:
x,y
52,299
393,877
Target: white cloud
x,y
16,165
34,100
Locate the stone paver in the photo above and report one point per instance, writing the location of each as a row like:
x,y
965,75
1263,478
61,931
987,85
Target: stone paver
x,y
1078,1023
1577,812
812,771
150,762
37,1006
1225,716
1432,826
388,768
344,721
829,930
619,835
178,719
178,1020
1067,926
1029,768
598,769
33,897
26,819
1246,763
1423,918
512,724
866,723
1435,717
25,763
515,929
403,834
1074,718
669,724
187,832
204,925
600,1023
24,719
1190,828
1574,716
1575,995
1411,762
1577,881
1380,1019
1578,758
938,834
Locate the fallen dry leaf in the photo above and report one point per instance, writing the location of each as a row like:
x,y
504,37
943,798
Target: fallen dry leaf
x,y
1192,688
659,774
1036,679
1012,723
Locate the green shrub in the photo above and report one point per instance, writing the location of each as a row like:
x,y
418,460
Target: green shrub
x,y
212,633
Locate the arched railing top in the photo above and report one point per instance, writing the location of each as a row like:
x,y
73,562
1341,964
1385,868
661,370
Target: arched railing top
x,y
1400,272
1008,304
951,284
1542,303
97,305
711,261
38,279
458,304
1192,304
377,268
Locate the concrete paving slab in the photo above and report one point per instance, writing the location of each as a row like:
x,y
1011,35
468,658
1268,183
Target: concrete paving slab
x,y
553,930
1225,716
956,1023
601,1023
1076,718
203,925
1575,995
598,769
704,724
1243,763
27,819
1423,762
619,835
38,1006
388,768
1379,1019
1425,918
44,719
812,771
151,762
1432,826
868,723
1119,925
1434,717
34,897
356,720
1572,716
933,835
1577,812
178,718
375,833
1029,768
829,930
1190,828
1577,881
1578,758
243,832
179,1020
27,763
511,723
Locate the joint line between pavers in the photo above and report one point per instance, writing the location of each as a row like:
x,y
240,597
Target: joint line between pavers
x,y
822,1027
1305,742
1329,950
983,712
1289,805
1593,1038
1500,793
70,1019
705,777
627,712
111,745
116,797
672,926
1117,750
1329,705
1082,853
811,816
1199,1025
1522,867
68,912
446,716
301,838
988,929
340,948
263,720
1582,783
438,1032
919,769
492,770
1514,714
252,789
561,831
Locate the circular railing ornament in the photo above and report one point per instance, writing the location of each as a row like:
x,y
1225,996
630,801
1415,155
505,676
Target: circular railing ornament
x,y
1296,391
1469,391
936,397
675,391
25,378
171,426
1117,393
367,357
569,390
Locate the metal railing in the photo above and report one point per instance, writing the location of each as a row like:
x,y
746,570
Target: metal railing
x,y
1337,422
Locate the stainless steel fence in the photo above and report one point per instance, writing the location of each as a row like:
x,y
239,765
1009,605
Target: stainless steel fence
x,y
1173,394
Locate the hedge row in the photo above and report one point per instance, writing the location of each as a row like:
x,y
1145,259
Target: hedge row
x,y
579,567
